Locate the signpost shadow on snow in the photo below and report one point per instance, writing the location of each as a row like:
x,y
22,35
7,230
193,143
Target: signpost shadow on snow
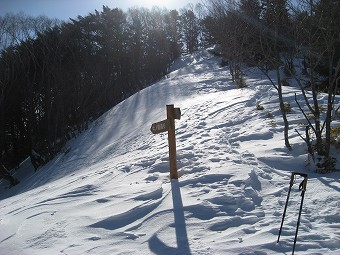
x,y
159,247
181,230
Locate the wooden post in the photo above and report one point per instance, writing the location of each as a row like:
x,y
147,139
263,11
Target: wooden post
x,y
169,125
172,141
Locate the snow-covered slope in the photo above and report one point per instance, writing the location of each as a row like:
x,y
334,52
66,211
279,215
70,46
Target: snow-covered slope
x,y
111,193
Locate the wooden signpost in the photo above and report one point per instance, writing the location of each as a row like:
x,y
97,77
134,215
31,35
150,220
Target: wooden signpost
x,y
160,127
169,125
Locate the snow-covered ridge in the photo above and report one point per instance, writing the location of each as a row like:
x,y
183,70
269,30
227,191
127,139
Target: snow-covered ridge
x,y
111,193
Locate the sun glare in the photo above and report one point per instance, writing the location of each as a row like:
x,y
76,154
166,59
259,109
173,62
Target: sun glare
x,y
169,4
151,3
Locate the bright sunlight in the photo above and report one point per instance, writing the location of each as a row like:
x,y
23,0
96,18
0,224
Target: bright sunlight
x,y
160,3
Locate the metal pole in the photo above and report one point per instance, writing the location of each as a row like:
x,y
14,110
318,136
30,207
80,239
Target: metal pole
x,y
284,212
304,184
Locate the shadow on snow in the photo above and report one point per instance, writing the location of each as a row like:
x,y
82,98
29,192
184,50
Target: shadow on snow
x,y
159,247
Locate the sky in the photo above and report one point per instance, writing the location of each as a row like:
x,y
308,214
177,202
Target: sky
x,y
65,9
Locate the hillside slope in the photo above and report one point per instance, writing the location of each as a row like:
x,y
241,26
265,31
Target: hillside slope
x,y
111,193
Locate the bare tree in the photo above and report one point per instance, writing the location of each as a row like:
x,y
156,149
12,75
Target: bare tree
x,y
318,30
247,37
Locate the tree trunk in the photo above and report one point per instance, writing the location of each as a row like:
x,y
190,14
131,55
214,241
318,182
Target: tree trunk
x,y
283,110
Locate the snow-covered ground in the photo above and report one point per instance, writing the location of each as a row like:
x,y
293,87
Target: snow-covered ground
x,y
111,194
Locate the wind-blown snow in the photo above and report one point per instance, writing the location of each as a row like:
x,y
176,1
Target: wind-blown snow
x,y
111,194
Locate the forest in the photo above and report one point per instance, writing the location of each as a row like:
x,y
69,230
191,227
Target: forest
x,y
56,77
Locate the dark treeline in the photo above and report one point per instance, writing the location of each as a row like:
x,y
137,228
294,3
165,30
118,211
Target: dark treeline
x,y
56,77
